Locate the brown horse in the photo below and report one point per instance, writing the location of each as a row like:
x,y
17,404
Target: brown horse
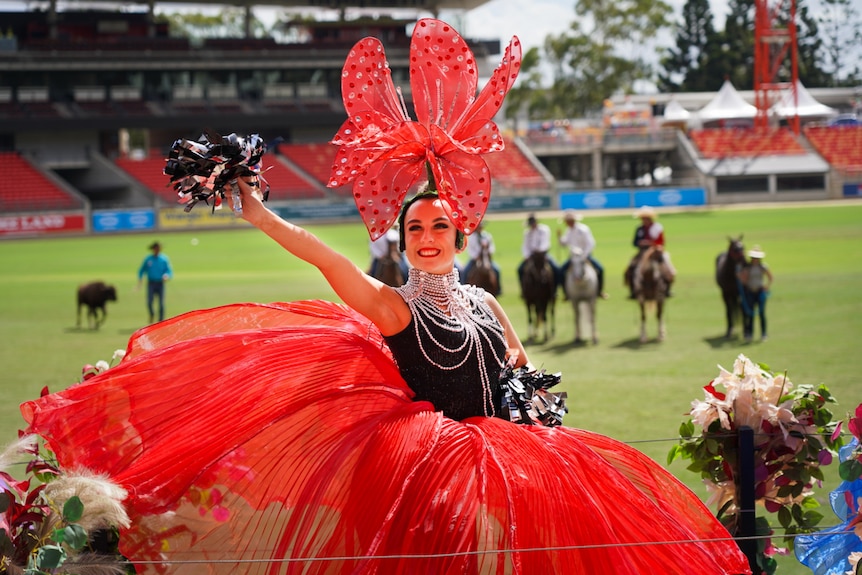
x,y
726,265
650,278
389,267
539,290
482,273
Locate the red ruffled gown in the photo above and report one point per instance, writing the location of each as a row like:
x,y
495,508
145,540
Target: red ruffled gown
x,y
282,439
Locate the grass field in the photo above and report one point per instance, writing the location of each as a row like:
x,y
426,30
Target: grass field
x,y
629,391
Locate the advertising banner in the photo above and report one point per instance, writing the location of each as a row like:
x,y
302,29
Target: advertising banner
x,y
124,220
668,197
631,198
199,217
595,200
852,190
42,224
518,203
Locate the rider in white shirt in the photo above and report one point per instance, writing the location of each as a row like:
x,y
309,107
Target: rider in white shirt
x,y
537,239
579,235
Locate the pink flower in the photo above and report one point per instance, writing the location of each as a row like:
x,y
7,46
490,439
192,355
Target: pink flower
x,y
855,423
384,153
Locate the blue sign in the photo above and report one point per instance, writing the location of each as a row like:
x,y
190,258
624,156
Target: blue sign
x,y
670,197
852,190
595,200
631,198
124,220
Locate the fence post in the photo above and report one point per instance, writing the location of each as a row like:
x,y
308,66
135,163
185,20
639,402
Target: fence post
x,y
746,528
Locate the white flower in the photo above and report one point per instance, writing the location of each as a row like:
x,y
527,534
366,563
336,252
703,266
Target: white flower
x,y
102,499
118,355
703,413
102,365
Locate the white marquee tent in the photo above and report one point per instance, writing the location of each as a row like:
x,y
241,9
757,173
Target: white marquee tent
x,y
805,107
674,112
727,104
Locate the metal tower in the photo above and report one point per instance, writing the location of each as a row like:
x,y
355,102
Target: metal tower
x,y
774,45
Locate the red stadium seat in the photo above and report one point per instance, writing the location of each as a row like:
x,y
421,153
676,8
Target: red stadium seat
x,y
24,189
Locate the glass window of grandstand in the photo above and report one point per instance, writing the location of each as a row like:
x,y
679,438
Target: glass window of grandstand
x,y
742,185
800,183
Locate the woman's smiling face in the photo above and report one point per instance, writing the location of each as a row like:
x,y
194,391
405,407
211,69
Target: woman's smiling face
x,y
429,237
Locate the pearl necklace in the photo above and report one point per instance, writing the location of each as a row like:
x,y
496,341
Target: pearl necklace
x,y
443,302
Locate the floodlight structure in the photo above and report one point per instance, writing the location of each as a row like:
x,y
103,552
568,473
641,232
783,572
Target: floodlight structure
x,y
775,49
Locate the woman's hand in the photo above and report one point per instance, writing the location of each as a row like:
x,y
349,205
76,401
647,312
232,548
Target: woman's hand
x,y
251,199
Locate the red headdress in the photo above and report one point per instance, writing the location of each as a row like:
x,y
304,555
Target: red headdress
x,y
384,153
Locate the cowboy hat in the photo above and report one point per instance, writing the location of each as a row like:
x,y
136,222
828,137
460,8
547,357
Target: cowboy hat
x,y
646,212
756,252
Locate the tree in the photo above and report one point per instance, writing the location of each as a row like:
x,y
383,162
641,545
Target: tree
x,y
589,61
842,28
735,60
809,49
689,66
527,94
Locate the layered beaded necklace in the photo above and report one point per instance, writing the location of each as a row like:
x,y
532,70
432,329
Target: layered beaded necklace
x,y
441,302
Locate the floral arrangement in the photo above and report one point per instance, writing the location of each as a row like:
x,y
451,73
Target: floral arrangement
x,y
794,435
57,521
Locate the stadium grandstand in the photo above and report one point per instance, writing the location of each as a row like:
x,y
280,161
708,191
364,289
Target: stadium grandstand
x,y
92,100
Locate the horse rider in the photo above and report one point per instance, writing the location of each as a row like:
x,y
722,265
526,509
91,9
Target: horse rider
x,y
537,240
650,233
579,235
478,242
387,246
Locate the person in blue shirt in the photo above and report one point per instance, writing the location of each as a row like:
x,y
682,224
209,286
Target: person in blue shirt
x,y
157,268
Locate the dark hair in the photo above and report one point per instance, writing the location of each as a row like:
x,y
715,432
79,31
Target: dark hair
x,y
423,195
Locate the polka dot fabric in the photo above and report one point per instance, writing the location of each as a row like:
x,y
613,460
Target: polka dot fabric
x,y
384,153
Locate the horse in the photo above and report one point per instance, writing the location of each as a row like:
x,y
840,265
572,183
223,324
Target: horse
x,y
539,290
581,285
726,265
482,273
388,269
651,277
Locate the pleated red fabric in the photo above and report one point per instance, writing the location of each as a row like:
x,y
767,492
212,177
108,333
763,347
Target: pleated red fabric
x,y
269,439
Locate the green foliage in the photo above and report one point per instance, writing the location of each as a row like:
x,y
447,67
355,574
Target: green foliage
x,y
228,23
591,63
690,66
841,27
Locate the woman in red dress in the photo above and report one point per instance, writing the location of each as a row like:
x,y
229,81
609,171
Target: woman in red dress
x,y
370,437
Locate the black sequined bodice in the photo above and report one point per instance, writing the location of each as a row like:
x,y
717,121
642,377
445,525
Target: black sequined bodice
x,y
450,357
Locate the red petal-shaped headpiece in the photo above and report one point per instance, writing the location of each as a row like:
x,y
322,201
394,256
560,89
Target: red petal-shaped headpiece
x,y
384,153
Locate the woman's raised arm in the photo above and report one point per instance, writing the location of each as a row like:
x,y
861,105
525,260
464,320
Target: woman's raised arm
x,y
365,294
